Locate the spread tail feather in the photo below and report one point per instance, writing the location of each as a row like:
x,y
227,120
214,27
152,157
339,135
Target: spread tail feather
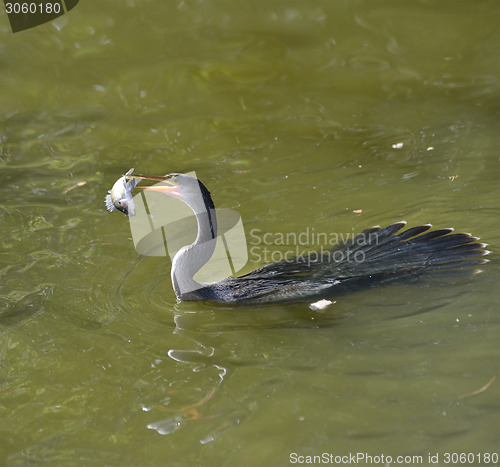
x,y
377,254
374,257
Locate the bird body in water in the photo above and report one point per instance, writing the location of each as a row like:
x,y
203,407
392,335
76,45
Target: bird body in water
x,y
376,256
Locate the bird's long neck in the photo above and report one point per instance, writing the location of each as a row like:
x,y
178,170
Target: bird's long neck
x,y
190,259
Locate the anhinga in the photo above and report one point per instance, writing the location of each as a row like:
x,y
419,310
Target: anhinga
x,y
375,256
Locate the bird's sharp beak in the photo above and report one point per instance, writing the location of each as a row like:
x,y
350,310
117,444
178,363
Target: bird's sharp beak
x,y
167,186
155,178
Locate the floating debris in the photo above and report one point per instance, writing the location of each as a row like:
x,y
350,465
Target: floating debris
x,y
321,305
72,187
480,390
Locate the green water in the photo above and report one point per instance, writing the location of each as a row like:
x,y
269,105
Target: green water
x,y
332,115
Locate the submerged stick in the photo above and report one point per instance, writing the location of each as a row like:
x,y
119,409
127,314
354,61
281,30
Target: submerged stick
x,y
480,390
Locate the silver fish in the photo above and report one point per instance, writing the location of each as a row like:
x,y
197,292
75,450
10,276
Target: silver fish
x,y
120,196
